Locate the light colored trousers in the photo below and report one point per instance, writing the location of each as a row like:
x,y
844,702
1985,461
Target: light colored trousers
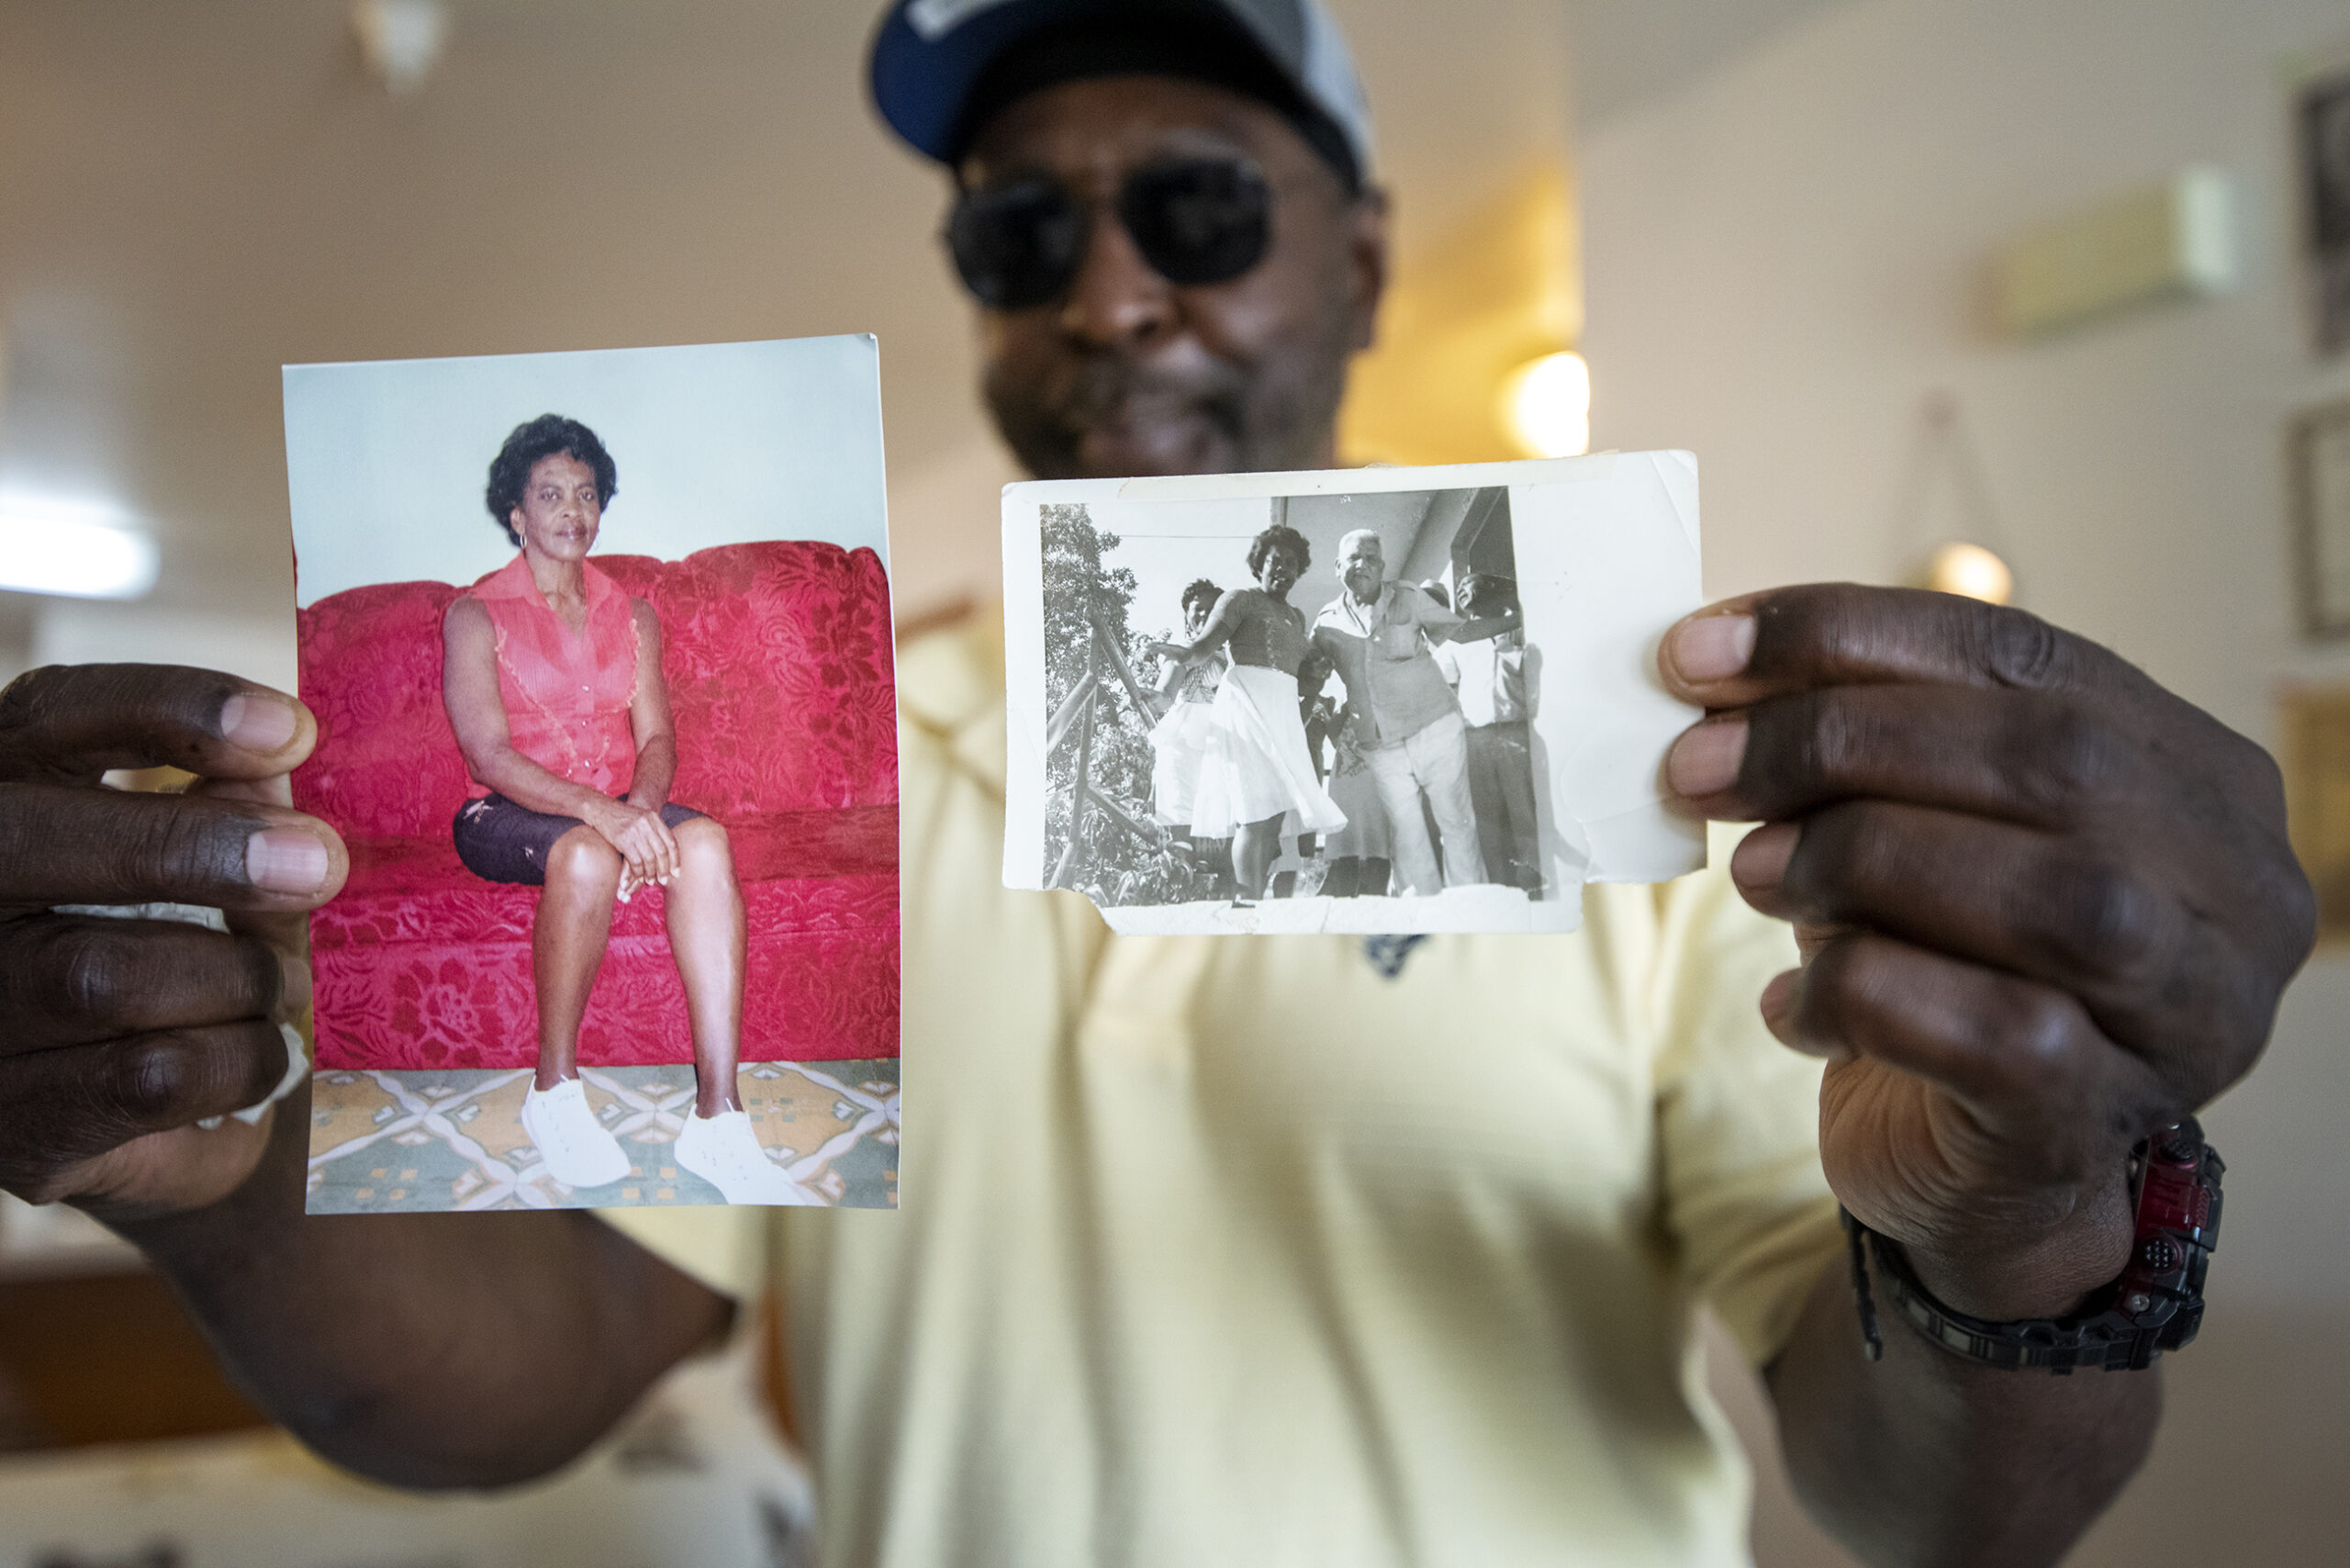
x,y
1435,758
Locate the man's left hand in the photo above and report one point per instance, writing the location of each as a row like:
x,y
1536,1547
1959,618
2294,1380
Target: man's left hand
x,y
2044,908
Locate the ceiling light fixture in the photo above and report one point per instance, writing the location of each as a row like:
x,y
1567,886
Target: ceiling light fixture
x,y
401,39
75,548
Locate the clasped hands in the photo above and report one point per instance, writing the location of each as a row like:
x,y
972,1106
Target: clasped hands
x,y
2043,906
648,850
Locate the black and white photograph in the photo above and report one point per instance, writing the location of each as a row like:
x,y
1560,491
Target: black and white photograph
x,y
1387,699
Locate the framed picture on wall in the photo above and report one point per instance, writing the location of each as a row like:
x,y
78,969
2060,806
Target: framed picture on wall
x,y
2322,131
2318,452
2313,732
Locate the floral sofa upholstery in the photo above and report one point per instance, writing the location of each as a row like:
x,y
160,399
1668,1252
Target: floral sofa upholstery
x,y
778,662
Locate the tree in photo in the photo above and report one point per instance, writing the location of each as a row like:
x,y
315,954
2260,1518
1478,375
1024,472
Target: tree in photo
x,y
1122,856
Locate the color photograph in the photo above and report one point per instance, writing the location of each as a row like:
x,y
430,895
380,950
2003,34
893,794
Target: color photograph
x,y
600,645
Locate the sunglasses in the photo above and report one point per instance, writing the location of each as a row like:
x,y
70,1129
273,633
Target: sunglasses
x,y
1195,221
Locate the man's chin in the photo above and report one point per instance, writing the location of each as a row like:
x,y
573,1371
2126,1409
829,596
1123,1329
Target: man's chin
x,y
1186,446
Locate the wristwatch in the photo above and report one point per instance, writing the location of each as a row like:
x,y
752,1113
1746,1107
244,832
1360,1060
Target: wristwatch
x,y
2155,1306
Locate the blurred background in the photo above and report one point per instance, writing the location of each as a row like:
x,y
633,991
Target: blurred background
x,y
2053,279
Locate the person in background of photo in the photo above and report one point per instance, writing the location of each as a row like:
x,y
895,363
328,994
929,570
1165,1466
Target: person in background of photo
x,y
552,678
1179,742
1406,719
1497,681
1257,770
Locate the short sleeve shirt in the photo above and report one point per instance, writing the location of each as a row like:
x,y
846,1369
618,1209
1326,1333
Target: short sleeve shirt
x,y
1233,1249
1385,659
1493,678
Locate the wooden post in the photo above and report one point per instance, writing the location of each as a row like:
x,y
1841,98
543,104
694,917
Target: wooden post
x,y
1078,790
1056,728
1125,673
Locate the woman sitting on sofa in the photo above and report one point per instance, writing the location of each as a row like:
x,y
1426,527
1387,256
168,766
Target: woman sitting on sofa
x,y
552,677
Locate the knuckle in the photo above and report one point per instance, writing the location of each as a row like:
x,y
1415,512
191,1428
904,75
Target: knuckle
x,y
157,1077
2103,919
2071,755
1839,990
24,700
2032,1032
85,973
1801,747
2018,648
192,846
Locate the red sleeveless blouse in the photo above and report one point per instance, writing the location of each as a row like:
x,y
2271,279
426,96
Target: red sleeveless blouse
x,y
567,696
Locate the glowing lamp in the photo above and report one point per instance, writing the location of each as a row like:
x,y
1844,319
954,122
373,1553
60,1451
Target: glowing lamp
x,y
73,548
1546,406
1971,571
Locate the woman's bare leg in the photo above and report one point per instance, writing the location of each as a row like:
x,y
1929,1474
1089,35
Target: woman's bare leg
x,y
705,908
568,942
1255,848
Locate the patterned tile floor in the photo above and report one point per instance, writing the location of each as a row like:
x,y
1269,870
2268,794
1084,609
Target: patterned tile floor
x,y
419,1142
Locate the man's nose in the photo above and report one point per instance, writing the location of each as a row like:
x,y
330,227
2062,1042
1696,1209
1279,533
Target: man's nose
x,y
1115,296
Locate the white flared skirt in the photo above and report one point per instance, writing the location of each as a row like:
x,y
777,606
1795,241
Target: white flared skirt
x,y
1180,745
1256,765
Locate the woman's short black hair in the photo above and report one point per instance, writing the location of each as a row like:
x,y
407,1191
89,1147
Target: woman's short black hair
x,y
1201,591
1281,536
548,436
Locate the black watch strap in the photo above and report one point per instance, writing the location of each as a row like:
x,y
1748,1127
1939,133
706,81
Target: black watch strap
x,y
2155,1306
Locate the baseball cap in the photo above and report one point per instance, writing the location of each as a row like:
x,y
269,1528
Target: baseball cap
x,y
941,67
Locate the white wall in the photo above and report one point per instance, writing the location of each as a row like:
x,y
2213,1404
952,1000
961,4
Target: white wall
x,y
1784,257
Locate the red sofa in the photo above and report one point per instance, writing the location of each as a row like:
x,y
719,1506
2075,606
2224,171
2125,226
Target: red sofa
x,y
778,657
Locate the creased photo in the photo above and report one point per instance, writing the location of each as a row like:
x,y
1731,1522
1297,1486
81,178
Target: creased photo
x,y
599,647
1392,700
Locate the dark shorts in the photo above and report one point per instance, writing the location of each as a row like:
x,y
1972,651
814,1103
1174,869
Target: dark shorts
x,y
502,842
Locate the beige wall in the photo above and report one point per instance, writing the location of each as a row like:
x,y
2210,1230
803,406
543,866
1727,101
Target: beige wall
x,y
1784,257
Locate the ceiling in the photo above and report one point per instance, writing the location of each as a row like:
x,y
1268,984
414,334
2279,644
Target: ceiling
x,y
1626,52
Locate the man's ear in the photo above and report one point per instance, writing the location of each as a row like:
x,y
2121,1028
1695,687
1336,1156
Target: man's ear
x,y
1366,261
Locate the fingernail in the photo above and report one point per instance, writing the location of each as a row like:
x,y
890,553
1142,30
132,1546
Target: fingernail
x,y
285,860
1705,760
1759,861
1713,647
259,724
293,984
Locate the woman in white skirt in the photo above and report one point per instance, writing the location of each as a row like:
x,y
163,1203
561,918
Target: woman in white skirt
x,y
1257,770
1179,742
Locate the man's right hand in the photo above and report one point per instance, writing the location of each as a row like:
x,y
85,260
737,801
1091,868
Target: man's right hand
x,y
116,1036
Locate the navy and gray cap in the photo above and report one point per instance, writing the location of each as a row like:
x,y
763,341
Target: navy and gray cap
x,y
941,67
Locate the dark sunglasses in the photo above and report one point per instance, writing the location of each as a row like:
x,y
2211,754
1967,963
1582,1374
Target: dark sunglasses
x,y
1195,222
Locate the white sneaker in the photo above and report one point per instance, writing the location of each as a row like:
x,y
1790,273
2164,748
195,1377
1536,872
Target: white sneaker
x,y
723,1151
577,1149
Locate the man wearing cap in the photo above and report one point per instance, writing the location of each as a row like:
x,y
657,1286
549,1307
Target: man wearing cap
x,y
1281,1250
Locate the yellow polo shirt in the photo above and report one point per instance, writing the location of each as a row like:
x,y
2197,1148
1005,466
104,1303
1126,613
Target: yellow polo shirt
x,y
1233,1250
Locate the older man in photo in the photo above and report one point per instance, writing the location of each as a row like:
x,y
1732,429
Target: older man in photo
x,y
1382,635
